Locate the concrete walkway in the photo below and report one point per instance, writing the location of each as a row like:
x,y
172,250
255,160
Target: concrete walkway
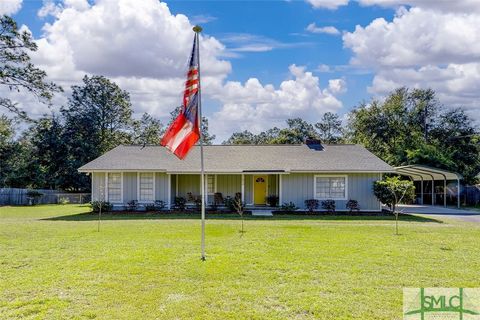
x,y
437,211
262,213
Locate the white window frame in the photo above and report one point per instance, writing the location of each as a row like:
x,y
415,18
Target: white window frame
x,y
330,176
138,187
107,194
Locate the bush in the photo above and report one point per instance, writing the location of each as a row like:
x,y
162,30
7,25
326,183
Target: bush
x,y
63,200
104,205
231,203
159,205
132,205
272,200
352,205
150,207
33,196
329,205
311,204
180,203
289,206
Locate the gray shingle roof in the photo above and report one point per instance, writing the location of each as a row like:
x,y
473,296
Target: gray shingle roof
x,y
241,158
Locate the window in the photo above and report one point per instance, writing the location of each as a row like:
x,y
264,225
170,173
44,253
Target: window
x,y
210,184
114,184
146,182
334,187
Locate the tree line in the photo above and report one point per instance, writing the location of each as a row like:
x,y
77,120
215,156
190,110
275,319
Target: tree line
x,y
407,127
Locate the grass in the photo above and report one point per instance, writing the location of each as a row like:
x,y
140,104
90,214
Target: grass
x,y
55,265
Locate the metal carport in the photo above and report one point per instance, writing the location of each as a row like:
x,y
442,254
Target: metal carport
x,y
423,173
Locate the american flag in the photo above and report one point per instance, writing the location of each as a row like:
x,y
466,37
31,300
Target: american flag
x,y
184,132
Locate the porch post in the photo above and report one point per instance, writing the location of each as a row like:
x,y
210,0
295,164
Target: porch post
x,y
176,185
243,187
169,191
280,200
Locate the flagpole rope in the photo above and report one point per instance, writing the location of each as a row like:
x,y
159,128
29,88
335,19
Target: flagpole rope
x,y
197,30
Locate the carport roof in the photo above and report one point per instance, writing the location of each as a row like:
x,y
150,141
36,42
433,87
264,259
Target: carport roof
x,y
420,172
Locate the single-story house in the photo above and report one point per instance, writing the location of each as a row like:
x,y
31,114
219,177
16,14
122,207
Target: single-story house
x,y
294,173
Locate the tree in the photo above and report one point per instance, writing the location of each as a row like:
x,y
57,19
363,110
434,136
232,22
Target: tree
x,y
411,127
330,128
48,151
244,137
207,138
296,132
98,118
392,191
16,71
147,130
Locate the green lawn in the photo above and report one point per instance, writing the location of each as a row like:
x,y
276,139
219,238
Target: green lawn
x,y
55,265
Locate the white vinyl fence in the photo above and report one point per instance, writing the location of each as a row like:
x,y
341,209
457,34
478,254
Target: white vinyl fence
x,y
16,196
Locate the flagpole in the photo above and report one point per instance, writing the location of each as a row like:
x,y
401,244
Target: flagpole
x,y
197,30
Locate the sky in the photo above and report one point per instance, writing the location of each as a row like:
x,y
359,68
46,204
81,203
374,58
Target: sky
x,y
262,62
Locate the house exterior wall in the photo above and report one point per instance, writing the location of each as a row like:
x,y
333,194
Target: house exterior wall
x,y
298,187
129,186
188,183
98,186
229,184
161,186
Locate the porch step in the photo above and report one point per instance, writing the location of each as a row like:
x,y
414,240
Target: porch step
x,y
262,213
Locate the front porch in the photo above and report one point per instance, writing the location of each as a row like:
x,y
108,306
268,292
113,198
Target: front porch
x,y
254,189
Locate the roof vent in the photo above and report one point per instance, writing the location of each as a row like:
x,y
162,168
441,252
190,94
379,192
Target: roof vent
x,y
314,144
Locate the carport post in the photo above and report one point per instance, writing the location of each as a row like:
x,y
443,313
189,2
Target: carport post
x,y
421,189
433,191
458,193
445,192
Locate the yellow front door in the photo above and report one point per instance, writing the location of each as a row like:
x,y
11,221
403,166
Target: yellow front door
x,y
259,189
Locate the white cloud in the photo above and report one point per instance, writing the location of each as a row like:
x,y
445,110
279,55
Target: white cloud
x,y
144,48
438,5
466,6
140,45
337,86
256,107
423,48
328,4
416,37
10,7
246,42
324,68
312,27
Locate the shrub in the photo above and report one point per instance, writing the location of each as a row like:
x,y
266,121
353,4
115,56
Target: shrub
x,y
289,206
33,196
63,200
132,205
104,205
229,202
328,205
272,200
159,205
352,205
150,207
311,204
179,203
